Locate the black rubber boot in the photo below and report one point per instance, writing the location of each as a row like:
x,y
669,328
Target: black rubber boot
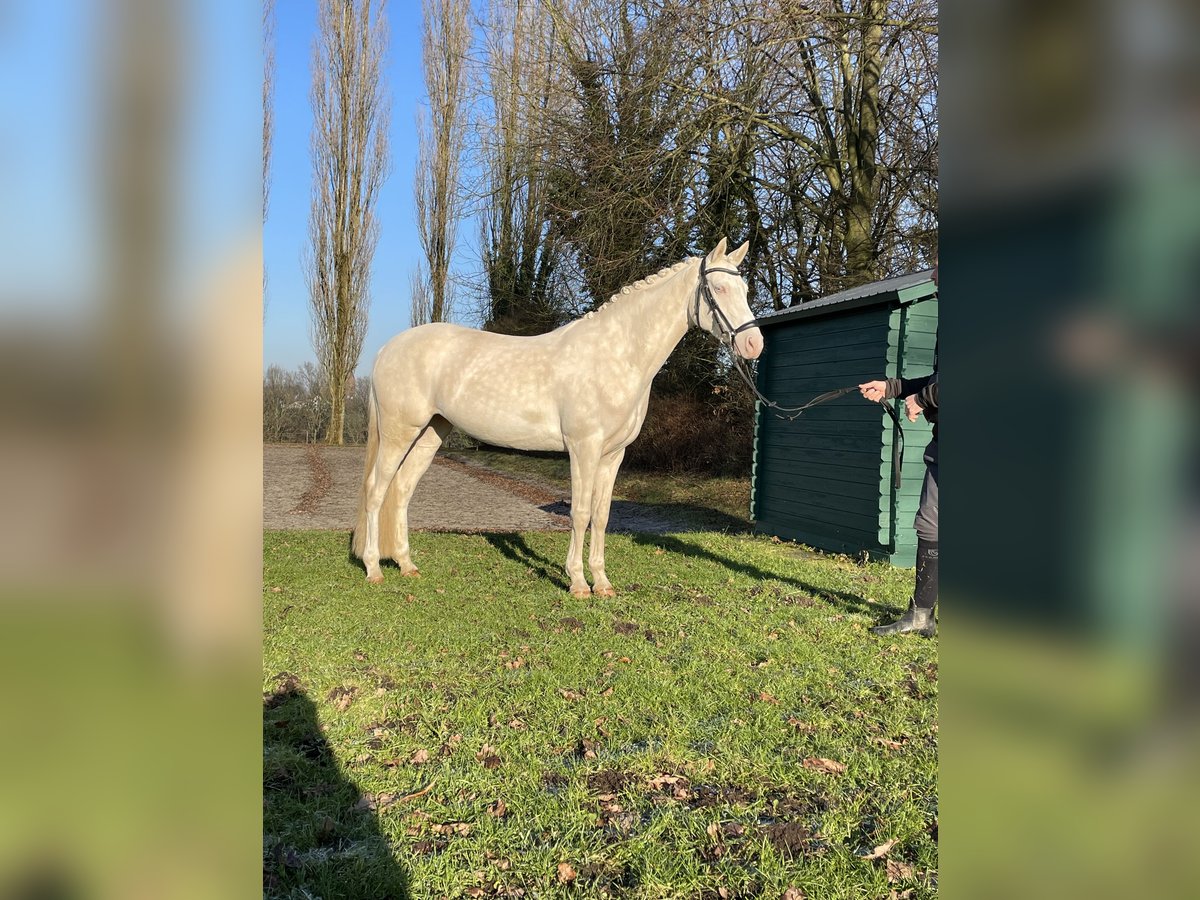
x,y
920,611
916,619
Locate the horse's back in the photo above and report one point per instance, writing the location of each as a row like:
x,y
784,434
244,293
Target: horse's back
x,y
503,389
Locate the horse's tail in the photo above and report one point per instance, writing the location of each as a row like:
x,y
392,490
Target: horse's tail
x,y
359,543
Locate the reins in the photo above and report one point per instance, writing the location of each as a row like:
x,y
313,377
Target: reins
x,y
787,413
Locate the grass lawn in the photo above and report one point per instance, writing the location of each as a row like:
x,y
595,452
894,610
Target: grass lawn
x,y
701,493
724,727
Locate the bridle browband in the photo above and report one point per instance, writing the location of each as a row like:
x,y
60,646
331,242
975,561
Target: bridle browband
x,y
787,413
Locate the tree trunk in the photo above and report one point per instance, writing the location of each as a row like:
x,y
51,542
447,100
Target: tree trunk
x,y
864,141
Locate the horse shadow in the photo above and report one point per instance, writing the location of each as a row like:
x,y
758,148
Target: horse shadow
x,y
514,547
627,516
672,544
320,839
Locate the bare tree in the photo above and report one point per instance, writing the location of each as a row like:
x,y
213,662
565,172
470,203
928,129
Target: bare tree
x,y
619,135
418,285
268,102
268,98
350,162
441,140
522,95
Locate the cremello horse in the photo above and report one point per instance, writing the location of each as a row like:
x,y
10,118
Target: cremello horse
x,y
582,388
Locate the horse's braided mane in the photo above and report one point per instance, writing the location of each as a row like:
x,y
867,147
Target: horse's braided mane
x,y
643,283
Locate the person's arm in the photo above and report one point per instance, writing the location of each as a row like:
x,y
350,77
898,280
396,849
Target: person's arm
x,y
927,396
906,387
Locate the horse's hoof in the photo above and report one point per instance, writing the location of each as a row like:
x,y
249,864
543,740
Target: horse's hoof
x,y
414,572
375,579
581,592
605,591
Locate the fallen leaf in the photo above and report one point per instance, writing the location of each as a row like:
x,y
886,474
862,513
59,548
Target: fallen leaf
x,y
276,590
586,749
460,828
488,756
821,764
565,873
341,697
887,742
881,851
801,725
902,895
793,893
498,810
569,694
515,663
765,697
898,871
369,801
516,724
420,757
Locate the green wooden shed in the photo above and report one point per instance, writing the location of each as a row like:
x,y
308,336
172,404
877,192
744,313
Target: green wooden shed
x,y
825,479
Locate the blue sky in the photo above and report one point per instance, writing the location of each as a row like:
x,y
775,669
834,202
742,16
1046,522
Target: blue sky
x,y
285,327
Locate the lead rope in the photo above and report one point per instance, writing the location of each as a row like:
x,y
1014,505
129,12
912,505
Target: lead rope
x,y
782,412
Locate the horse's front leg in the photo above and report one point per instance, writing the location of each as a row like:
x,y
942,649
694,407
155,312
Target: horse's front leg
x,y
606,476
584,460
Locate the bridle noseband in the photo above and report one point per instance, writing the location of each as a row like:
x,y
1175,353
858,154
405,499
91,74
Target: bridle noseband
x,y
788,413
704,291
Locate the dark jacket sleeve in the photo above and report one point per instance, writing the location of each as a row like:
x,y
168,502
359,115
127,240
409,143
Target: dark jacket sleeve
x,y
905,387
928,395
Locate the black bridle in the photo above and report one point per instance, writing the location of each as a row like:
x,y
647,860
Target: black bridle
x,y
787,413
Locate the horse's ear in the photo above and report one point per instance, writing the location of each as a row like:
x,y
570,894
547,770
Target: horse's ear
x,y
718,252
739,254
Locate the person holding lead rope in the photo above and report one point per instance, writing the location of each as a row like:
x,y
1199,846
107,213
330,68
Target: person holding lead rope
x,y
920,397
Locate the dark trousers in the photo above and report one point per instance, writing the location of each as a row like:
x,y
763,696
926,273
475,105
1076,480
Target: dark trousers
x,y
926,522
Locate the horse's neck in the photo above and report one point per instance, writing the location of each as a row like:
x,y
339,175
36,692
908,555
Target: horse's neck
x,y
644,326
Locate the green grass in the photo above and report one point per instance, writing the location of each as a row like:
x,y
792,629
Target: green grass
x,y
697,493
724,662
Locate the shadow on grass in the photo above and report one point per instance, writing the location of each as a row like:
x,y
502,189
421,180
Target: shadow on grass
x,y
672,544
318,841
514,547
626,516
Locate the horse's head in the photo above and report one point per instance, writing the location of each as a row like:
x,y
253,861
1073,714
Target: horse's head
x,y
721,307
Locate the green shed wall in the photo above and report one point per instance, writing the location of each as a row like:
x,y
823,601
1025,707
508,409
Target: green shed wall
x,y
825,478
816,479
917,325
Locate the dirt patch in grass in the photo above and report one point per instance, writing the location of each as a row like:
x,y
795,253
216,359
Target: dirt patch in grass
x,y
706,796
609,781
789,838
625,627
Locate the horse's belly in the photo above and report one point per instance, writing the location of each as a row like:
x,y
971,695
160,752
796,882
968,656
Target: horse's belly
x,y
508,426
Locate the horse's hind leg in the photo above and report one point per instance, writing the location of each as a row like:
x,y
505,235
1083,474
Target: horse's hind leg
x,y
415,464
392,449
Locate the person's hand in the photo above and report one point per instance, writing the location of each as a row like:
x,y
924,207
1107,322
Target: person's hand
x,y
873,390
913,408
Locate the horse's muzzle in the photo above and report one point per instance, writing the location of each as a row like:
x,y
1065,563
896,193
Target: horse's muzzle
x,y
749,343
